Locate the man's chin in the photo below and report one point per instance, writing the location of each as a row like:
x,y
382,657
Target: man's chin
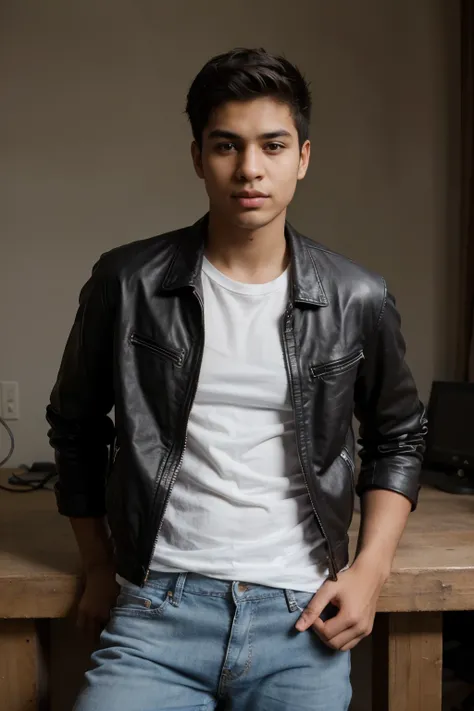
x,y
253,219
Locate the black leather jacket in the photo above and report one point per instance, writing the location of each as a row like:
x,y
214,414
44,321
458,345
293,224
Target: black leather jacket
x,y
137,343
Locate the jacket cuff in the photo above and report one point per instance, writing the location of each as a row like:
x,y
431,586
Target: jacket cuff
x,y
79,505
400,477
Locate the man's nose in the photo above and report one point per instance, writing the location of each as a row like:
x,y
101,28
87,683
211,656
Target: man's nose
x,y
250,166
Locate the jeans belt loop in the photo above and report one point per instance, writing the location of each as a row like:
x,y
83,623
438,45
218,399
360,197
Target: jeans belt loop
x,y
177,593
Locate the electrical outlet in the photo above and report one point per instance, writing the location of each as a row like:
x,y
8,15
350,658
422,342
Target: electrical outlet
x,y
10,400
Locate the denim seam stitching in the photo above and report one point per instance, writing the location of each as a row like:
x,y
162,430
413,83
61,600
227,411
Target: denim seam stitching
x,y
235,677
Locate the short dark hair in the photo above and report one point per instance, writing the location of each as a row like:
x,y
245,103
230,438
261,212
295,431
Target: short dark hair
x,y
243,75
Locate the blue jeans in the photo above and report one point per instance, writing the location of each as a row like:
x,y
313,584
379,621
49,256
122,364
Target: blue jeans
x,y
190,643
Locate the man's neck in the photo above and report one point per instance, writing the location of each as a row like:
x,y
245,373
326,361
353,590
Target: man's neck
x,y
251,257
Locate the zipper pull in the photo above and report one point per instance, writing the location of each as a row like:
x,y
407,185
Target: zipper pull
x,y
288,315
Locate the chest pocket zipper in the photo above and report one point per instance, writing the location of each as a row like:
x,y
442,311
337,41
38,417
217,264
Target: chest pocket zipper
x,y
336,367
176,356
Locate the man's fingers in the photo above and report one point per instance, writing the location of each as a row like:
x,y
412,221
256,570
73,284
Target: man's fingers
x,y
353,643
332,628
337,625
347,638
343,638
309,616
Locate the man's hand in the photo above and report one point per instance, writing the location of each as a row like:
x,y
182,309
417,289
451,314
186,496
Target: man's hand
x,y
355,594
99,596
98,562
383,517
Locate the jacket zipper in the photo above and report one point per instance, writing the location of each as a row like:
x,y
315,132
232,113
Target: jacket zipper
x,y
189,404
345,456
287,331
338,366
176,356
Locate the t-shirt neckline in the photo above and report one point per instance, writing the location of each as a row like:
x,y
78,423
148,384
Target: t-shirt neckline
x,y
238,287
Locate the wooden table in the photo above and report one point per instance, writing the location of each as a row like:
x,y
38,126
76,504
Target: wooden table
x,y
433,572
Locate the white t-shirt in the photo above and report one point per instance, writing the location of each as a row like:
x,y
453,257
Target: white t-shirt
x,y
240,509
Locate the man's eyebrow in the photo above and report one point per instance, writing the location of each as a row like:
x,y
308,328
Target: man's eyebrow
x,y
219,133
231,136
281,133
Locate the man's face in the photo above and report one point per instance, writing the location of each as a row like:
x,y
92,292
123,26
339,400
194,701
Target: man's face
x,y
250,161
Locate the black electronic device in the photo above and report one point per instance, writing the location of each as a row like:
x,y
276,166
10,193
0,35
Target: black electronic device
x,y
449,457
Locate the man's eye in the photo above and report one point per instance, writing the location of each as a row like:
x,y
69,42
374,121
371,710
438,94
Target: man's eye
x,y
274,147
225,147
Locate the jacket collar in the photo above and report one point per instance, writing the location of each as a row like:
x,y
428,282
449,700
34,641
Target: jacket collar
x,y
185,267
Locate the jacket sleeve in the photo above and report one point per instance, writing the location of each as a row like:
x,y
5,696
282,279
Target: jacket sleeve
x,y
392,418
81,400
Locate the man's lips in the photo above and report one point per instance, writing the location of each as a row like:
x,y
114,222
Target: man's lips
x,y
251,198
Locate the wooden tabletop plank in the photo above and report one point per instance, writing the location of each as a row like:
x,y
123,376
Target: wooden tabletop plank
x,y
40,572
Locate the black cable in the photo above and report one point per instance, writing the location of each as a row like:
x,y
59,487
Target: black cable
x,y
12,442
28,487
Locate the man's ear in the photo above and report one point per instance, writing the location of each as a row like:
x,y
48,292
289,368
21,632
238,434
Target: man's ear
x,y
304,159
197,159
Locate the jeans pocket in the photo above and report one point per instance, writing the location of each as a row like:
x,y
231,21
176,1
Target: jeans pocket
x,y
134,601
301,600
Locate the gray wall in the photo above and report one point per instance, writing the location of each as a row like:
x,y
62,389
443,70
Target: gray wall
x,y
95,152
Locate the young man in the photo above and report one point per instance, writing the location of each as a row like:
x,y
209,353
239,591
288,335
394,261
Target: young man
x,y
235,352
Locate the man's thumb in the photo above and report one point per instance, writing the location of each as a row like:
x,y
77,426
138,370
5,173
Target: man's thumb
x,y
322,598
